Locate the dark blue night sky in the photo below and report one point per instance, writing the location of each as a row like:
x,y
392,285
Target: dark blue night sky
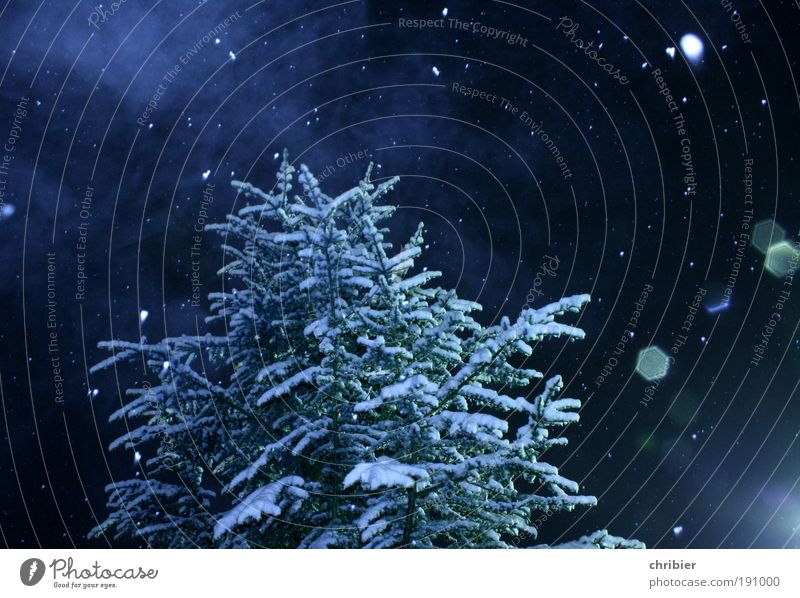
x,y
551,148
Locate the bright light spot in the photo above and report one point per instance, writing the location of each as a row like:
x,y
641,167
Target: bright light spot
x,y
692,46
677,530
232,55
165,365
435,72
95,392
763,102
143,316
216,41
7,211
137,456
671,52
276,156
206,174
444,12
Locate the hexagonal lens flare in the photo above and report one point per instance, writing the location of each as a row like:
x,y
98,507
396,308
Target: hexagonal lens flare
x,y
782,259
766,234
652,364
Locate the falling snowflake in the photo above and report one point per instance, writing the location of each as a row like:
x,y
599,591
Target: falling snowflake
x,y
692,46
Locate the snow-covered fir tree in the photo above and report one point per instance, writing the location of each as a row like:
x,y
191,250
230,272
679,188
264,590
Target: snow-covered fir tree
x,y
349,403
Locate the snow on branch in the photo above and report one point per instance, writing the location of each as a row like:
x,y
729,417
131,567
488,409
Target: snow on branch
x,y
268,500
384,473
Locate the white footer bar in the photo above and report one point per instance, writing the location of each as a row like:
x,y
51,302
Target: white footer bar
x,y
402,573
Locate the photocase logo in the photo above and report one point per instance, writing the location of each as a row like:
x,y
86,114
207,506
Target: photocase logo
x,y
31,572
